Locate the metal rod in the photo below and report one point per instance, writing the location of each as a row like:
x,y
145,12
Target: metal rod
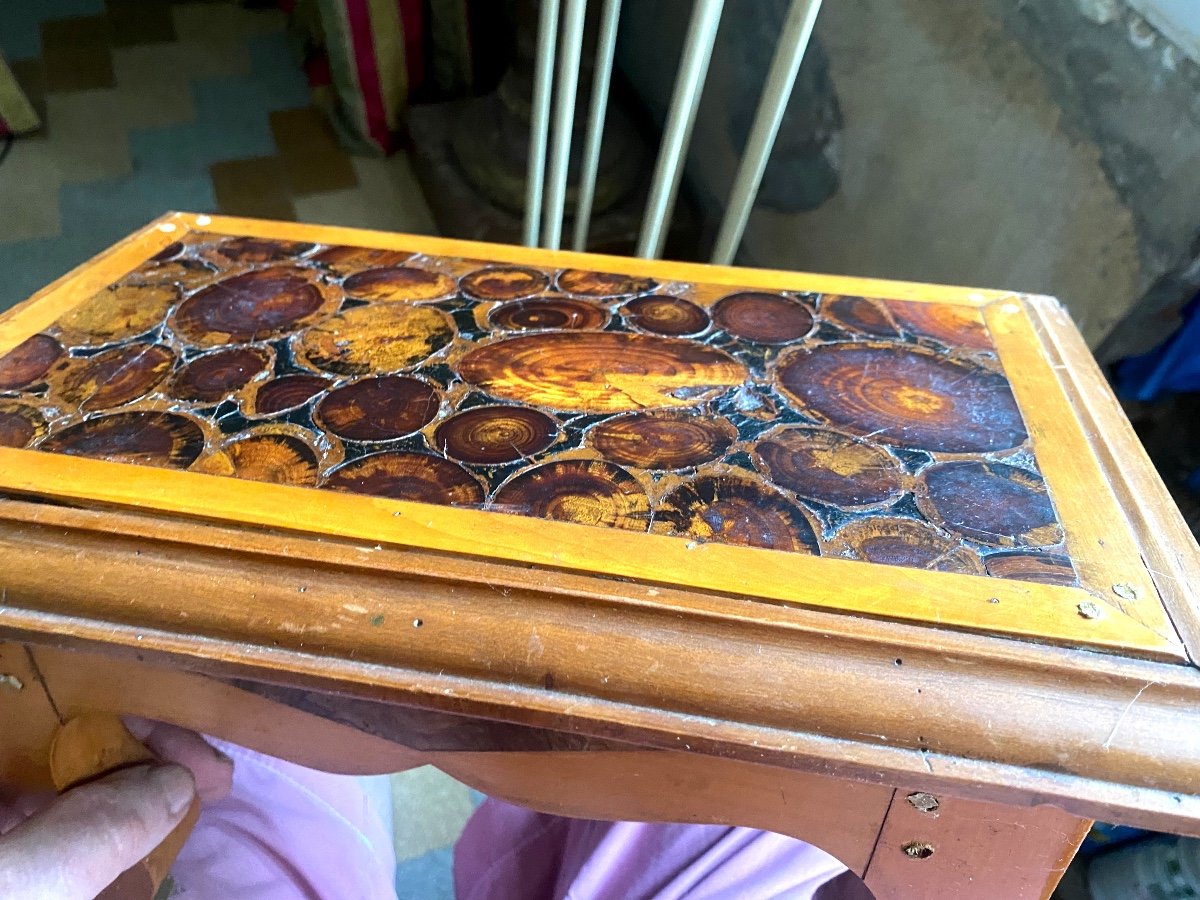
x,y
539,120
564,122
781,78
605,48
681,117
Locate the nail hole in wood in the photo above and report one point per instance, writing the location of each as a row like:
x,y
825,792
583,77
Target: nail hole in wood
x,y
918,850
899,662
417,623
12,682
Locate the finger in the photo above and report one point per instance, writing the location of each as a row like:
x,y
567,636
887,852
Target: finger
x,y
211,768
93,833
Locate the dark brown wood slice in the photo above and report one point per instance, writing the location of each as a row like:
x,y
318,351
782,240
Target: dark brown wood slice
x,y
377,338
27,362
118,312
661,314
504,283
603,284
763,318
1043,568
903,542
829,467
392,283
285,393
600,371
170,251
20,423
662,440
274,457
348,260
143,437
904,396
954,326
489,435
408,476
730,509
586,491
378,408
116,376
552,313
990,502
213,376
258,250
251,306
861,315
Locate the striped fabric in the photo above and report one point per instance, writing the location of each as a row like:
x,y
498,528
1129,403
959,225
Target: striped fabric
x,y
16,114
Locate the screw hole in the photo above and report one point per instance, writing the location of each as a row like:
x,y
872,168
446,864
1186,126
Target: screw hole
x,y
918,850
899,662
417,623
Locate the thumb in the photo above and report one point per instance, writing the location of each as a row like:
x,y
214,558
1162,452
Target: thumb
x,y
91,834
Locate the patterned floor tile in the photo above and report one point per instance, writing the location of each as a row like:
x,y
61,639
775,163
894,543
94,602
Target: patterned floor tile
x,y
181,61
223,22
29,185
428,877
21,37
429,810
87,140
387,197
137,22
156,105
256,188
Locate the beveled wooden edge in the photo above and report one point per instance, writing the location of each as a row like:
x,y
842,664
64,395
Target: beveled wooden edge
x,y
985,718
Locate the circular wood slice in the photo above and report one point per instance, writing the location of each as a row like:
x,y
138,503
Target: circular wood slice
x,y
903,542
904,396
408,476
382,338
274,456
168,252
283,394
730,509
553,313
378,408
600,371
252,306
348,260
398,283
504,283
214,376
586,491
20,423
829,467
861,315
183,272
27,362
256,250
763,318
954,326
603,284
116,313
489,435
992,503
117,376
1044,568
142,437
660,314
662,440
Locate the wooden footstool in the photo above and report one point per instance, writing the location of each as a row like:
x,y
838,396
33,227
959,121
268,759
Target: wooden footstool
x,y
881,566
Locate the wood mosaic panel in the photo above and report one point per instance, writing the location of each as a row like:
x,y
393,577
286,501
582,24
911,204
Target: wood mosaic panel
x,y
872,429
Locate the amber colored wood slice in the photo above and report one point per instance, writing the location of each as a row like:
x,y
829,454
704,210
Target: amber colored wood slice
x,y
377,338
280,395
663,314
551,313
585,283
903,395
586,491
663,440
490,435
348,260
115,377
27,362
734,509
829,466
116,313
1044,568
255,305
600,371
392,283
763,318
142,437
408,476
278,454
256,250
378,408
954,326
903,542
504,283
215,375
21,423
860,315
992,503
184,273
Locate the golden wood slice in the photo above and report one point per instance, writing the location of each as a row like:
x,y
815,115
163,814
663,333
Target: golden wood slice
x,y
377,338
732,508
114,377
348,260
255,250
392,283
183,273
586,491
763,318
903,542
903,395
551,313
141,437
992,503
583,283
489,435
504,283
216,375
21,423
118,312
955,326
662,440
27,362
281,454
279,395
600,371
408,476
1044,568
255,305
378,408
829,467
662,314
859,314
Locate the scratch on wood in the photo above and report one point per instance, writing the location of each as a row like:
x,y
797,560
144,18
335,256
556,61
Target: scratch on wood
x,y
1107,745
